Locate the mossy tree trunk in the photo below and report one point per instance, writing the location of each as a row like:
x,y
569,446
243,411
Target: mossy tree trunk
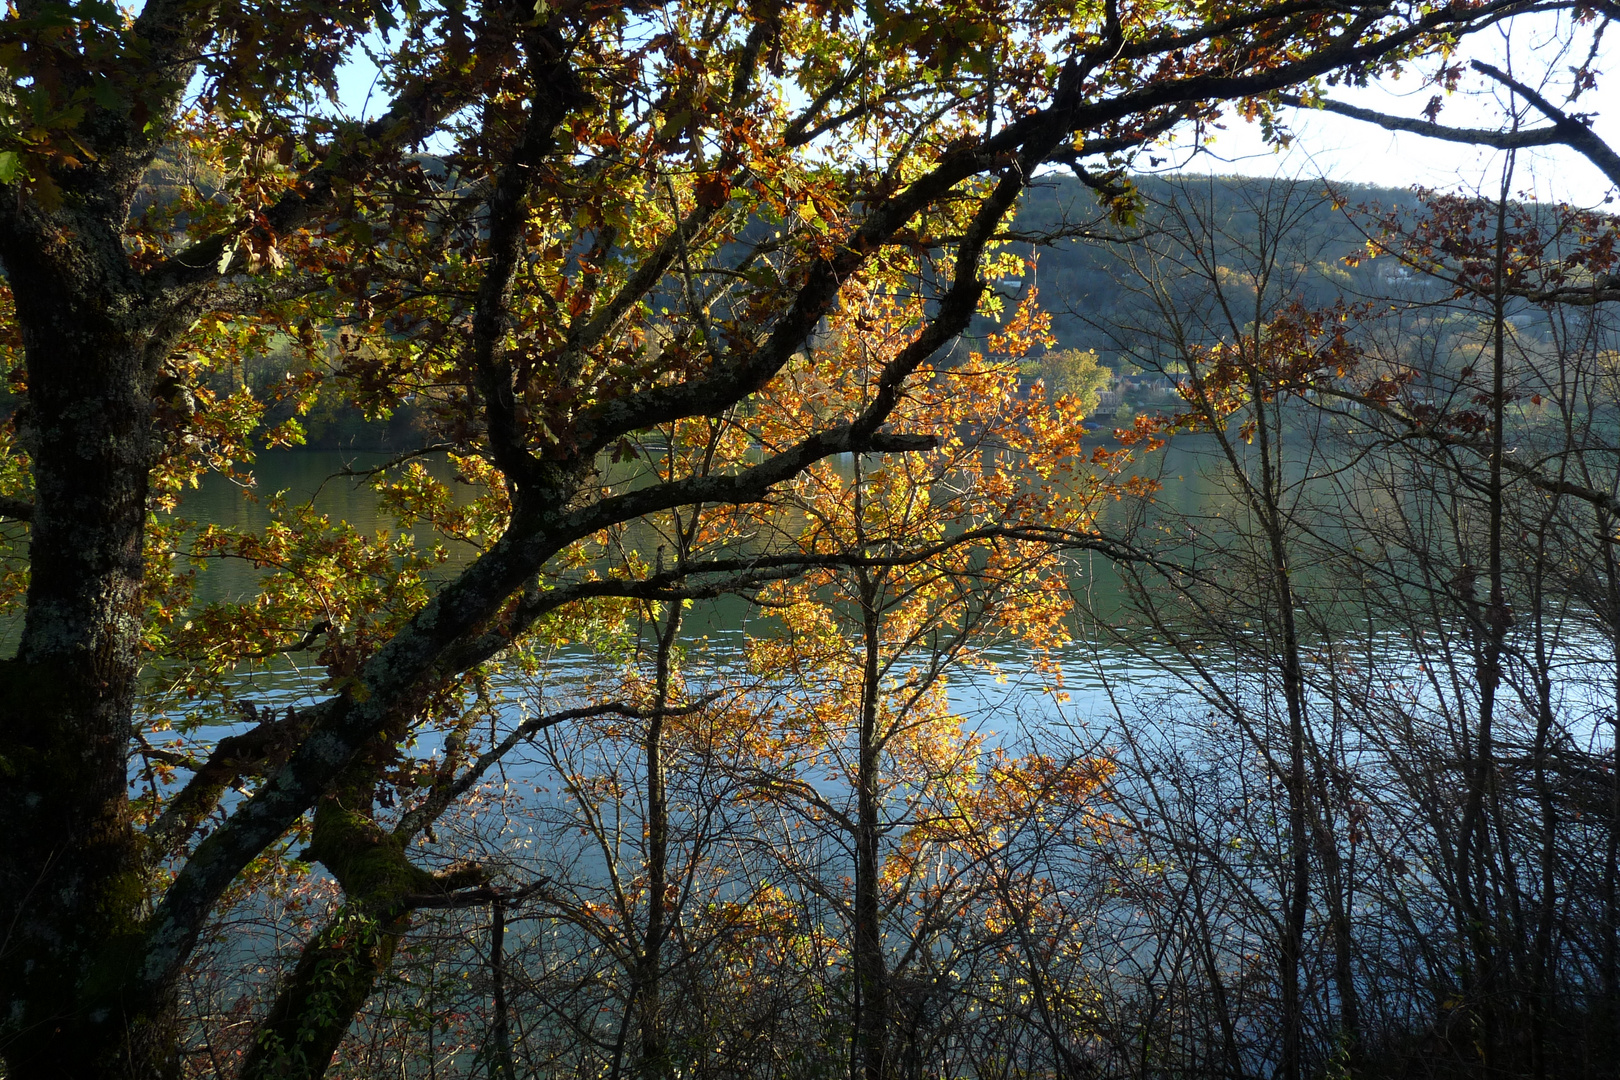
x,y
71,885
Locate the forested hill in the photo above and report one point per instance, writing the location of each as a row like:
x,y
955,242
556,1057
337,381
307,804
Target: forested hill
x,y
1091,283
1090,274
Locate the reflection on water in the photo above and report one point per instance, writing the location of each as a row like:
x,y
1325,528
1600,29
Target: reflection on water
x,y
1098,675
331,482
1094,677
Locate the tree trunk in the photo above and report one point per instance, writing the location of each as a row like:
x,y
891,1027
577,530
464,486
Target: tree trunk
x,y
1608,1022
501,1064
654,1060
1473,839
72,888
870,1056
314,1010
340,965
1296,781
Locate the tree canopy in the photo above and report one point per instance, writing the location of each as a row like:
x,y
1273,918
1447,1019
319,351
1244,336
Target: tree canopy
x,y
575,239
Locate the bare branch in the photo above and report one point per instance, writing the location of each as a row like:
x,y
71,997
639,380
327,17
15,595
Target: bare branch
x,y
444,794
465,898
1500,140
1414,428
1577,135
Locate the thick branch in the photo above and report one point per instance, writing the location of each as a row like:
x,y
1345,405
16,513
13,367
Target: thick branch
x,y
735,378
1500,140
465,898
443,794
234,757
431,646
1230,27
1354,46
1565,131
173,31
1576,135
713,578
555,92
588,333
957,307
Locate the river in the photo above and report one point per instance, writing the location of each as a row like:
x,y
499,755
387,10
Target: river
x,y
1101,677
1094,674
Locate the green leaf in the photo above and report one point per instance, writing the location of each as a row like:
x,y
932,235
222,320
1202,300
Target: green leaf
x,y
106,94
10,166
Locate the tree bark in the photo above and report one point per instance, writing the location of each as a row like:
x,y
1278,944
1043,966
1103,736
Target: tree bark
x,y
315,1008
72,887
654,1054
870,1057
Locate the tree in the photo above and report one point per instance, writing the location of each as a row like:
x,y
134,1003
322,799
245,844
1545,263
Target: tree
x,y
1448,479
567,225
811,876
1224,288
1515,425
877,713
1078,373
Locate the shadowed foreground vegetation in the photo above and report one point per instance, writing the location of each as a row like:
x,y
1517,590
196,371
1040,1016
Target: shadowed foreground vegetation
x,y
778,643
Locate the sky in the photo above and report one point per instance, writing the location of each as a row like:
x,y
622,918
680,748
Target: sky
x,y
1350,151
1337,147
